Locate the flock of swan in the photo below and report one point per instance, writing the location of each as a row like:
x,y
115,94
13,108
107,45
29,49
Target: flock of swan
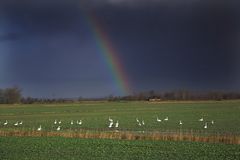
x,y
206,123
111,123
15,124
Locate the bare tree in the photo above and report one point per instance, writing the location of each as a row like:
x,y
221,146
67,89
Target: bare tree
x,y
12,95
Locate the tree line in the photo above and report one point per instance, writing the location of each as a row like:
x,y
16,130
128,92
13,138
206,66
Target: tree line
x,y
10,95
182,95
13,95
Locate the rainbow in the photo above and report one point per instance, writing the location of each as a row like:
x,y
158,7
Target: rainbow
x,y
109,54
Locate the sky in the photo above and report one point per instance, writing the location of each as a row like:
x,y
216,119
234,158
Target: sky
x,y
96,48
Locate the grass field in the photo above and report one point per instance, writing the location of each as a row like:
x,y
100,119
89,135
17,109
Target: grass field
x,y
94,116
51,144
59,148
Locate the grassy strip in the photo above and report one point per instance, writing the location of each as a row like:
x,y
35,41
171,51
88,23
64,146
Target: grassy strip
x,y
125,135
60,148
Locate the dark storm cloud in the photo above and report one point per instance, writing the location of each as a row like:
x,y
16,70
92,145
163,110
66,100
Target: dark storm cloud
x,y
104,3
10,37
161,44
189,46
34,18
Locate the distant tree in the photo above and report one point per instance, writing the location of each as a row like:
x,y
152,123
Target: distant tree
x,y
12,95
80,99
28,100
110,97
1,96
168,95
151,94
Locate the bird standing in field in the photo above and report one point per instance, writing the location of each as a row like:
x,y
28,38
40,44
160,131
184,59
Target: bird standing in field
x,y
212,122
71,122
59,128
166,119
60,122
143,123
110,124
39,128
180,122
110,119
80,122
5,123
205,126
117,124
55,122
200,120
16,124
20,123
137,120
159,120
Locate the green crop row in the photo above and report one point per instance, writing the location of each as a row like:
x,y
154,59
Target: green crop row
x,y
95,115
41,148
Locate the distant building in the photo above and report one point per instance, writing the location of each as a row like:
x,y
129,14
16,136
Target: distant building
x,y
154,100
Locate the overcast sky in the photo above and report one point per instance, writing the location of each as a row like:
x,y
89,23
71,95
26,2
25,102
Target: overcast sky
x,y
48,49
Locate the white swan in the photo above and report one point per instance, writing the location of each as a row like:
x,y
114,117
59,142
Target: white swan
x,y
205,126
39,128
166,119
180,122
117,124
110,124
59,128
16,124
5,123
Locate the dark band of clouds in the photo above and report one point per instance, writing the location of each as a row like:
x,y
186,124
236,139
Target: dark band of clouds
x,y
10,37
191,46
126,3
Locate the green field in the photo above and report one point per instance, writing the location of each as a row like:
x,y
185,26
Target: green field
x,y
58,148
94,116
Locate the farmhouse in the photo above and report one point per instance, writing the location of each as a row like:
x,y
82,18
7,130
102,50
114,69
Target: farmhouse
x,y
154,100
